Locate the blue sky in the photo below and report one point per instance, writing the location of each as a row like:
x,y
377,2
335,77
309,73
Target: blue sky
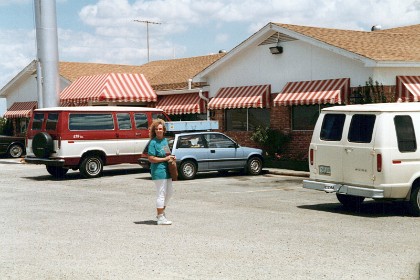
x,y
105,31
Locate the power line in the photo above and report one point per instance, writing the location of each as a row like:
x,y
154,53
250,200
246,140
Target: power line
x,y
147,22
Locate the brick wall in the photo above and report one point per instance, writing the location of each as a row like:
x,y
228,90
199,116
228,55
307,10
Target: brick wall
x,y
280,119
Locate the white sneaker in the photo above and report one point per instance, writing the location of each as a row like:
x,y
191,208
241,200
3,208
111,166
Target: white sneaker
x,y
161,220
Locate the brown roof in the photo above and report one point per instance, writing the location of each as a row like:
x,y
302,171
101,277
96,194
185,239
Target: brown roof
x,y
396,44
161,74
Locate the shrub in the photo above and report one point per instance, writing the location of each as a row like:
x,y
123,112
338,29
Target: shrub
x,y
271,140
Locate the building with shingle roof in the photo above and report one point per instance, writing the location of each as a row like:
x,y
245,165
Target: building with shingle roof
x,y
308,68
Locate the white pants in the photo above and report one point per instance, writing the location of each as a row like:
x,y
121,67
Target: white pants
x,y
164,192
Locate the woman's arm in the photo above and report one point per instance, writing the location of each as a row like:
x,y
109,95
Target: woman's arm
x,y
154,159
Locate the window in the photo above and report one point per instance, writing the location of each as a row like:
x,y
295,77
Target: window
x,y
38,120
406,136
159,116
91,122
361,128
247,119
332,127
191,141
51,121
124,121
219,141
304,117
141,121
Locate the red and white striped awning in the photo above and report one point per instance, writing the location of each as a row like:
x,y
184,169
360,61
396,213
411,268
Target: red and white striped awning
x,y
188,103
21,109
408,88
242,97
333,91
112,87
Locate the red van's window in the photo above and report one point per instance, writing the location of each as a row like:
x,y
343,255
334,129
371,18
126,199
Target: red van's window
x,y
141,121
124,121
91,121
51,123
37,121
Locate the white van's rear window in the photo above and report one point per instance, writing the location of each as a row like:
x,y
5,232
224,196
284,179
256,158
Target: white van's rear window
x,y
332,127
406,135
361,128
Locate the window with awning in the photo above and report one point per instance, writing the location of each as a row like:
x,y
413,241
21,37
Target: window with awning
x,y
408,88
177,104
21,109
112,87
257,96
332,91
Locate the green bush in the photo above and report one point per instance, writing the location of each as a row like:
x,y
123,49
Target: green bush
x,y
271,140
6,127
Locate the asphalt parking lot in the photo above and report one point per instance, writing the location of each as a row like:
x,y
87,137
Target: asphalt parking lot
x,y
233,227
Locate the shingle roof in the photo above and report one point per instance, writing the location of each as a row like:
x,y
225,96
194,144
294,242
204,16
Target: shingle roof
x,y
161,74
396,44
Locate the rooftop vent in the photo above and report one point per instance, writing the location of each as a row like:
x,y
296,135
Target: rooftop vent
x,y
376,27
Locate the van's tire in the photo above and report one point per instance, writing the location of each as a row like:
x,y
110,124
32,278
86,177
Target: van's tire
x,y
15,151
254,166
57,171
42,145
350,201
188,170
414,205
91,166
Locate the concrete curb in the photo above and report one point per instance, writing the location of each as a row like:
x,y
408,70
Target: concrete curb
x,y
287,172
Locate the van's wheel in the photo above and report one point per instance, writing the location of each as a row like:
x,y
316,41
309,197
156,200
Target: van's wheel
x,y
254,166
350,201
188,170
91,166
57,171
15,151
42,145
415,201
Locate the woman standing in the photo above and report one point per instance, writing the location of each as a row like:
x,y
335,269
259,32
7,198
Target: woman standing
x,y
159,155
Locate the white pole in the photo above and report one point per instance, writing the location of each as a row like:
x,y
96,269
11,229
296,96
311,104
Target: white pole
x,y
47,51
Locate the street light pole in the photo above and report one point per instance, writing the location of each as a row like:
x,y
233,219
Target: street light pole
x,y
147,22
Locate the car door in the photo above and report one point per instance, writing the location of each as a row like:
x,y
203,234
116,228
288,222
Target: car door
x,y
192,146
358,152
224,153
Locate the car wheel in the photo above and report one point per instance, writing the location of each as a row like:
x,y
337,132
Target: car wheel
x,y
188,170
15,151
91,166
350,201
42,145
254,166
57,171
415,201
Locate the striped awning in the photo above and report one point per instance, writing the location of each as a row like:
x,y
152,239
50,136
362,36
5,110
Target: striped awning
x,y
408,88
242,97
112,87
21,109
188,103
333,91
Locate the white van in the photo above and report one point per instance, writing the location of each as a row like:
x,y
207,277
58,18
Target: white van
x,y
89,137
367,151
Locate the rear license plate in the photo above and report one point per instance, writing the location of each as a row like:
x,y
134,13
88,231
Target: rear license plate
x,y
325,170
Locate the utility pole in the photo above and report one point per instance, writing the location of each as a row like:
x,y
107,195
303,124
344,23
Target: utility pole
x,y
147,22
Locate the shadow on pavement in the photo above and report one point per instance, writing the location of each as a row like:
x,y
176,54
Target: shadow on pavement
x,y
147,222
77,176
368,209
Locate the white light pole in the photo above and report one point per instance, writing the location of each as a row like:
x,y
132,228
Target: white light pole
x,y
147,34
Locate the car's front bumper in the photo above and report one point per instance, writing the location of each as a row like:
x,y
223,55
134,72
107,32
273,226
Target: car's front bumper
x,y
343,189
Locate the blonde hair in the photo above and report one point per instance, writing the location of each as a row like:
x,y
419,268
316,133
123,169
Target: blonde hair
x,y
154,125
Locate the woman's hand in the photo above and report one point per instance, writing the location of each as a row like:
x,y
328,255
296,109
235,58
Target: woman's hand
x,y
170,157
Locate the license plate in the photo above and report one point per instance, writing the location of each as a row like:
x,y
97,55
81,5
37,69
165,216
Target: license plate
x,y
325,170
